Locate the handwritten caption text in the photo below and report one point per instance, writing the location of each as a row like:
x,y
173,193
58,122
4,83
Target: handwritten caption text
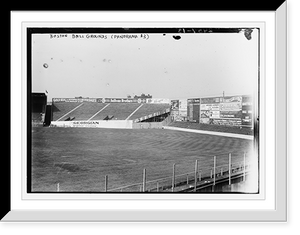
x,y
100,36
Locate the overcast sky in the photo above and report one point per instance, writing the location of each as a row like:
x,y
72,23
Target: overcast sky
x,y
197,65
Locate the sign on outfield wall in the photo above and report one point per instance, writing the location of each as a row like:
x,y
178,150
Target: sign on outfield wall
x,y
175,105
221,110
183,104
75,100
158,101
233,103
121,100
113,100
247,111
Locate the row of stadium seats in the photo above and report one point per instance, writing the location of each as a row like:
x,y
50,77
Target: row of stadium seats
x,y
147,109
90,110
120,111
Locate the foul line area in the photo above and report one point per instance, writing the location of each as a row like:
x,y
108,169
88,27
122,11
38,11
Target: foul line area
x,y
232,135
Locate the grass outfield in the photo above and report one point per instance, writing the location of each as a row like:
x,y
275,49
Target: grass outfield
x,y
79,158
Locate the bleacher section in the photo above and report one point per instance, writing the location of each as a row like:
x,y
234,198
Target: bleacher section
x,y
61,109
147,109
86,110
119,111
79,111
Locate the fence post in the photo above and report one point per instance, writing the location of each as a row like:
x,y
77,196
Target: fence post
x,y
221,171
244,169
215,170
144,180
229,169
173,178
187,178
57,187
196,171
157,186
200,175
105,183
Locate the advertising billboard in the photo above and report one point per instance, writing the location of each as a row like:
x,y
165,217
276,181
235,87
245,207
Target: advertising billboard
x,y
222,110
183,104
114,100
175,105
121,100
75,100
247,111
179,110
158,101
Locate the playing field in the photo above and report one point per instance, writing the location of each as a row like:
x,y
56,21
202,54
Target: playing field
x,y
79,158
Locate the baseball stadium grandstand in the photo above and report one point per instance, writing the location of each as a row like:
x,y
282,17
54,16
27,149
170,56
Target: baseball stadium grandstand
x,y
96,112
224,114
100,111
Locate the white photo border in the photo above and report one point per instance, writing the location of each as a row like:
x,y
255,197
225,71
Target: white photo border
x,y
34,209
167,196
